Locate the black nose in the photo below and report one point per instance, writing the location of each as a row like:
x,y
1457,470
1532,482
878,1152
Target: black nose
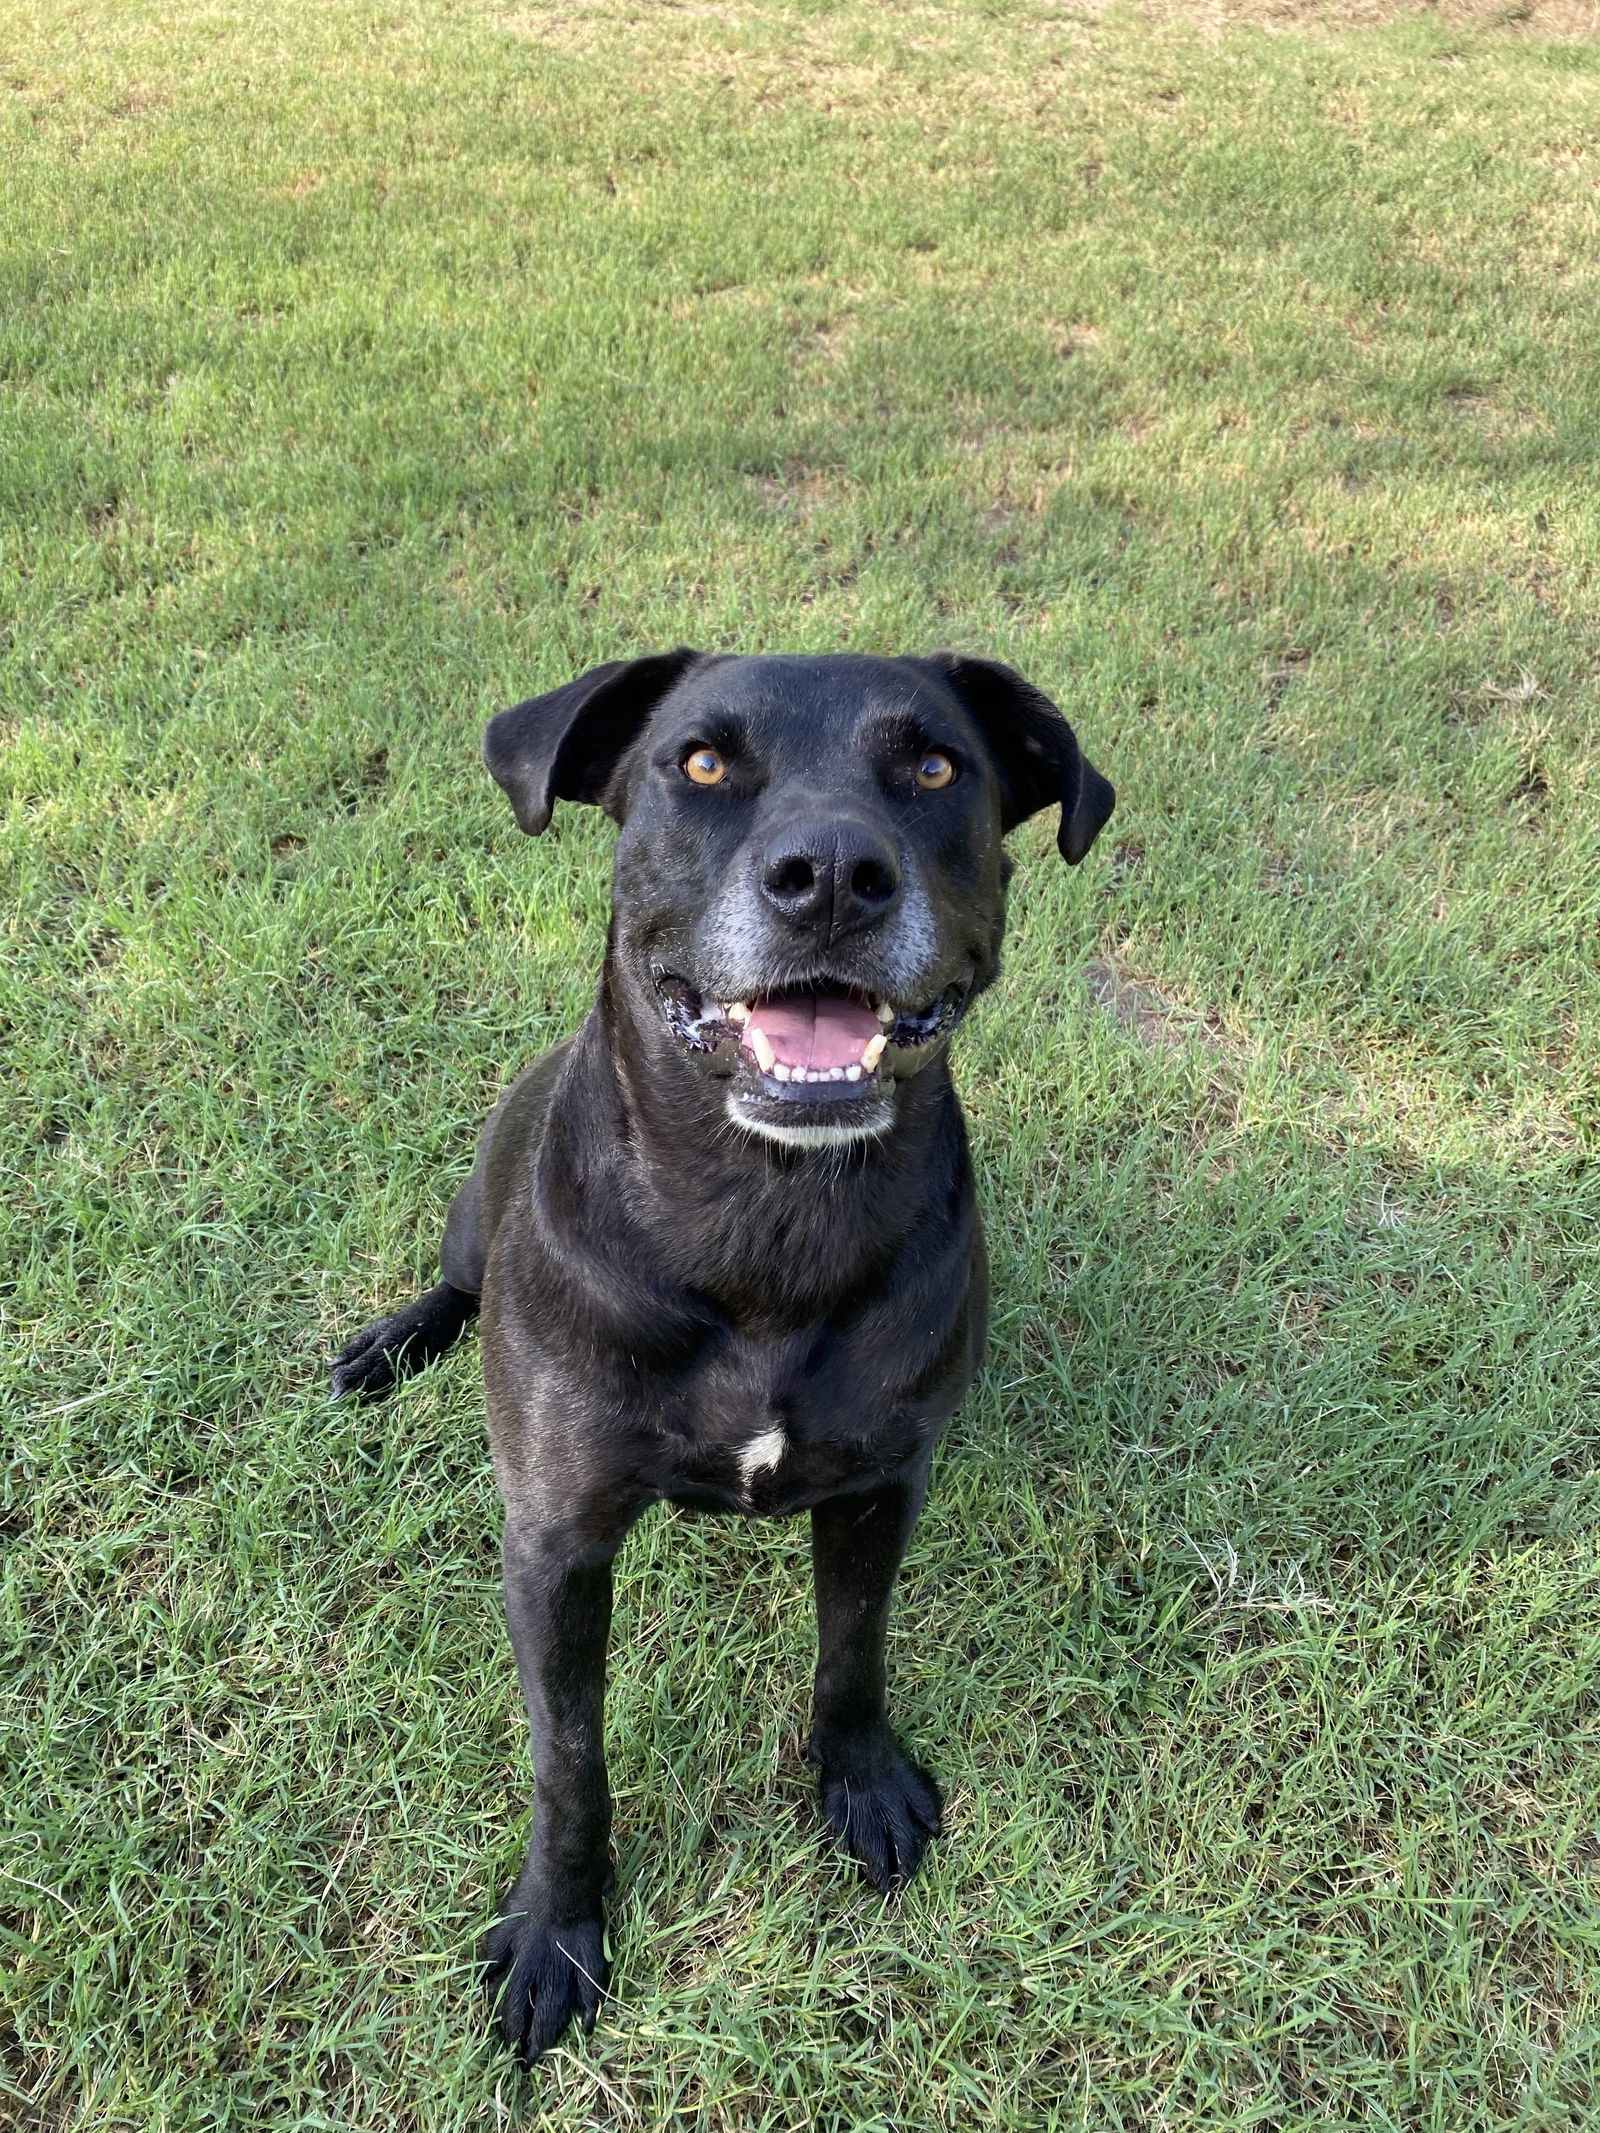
x,y
831,875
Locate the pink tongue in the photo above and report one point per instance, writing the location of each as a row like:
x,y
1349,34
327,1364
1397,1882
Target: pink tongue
x,y
814,1030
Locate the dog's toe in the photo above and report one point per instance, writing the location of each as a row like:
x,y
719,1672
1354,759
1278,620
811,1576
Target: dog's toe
x,y
883,1820
541,1975
364,1367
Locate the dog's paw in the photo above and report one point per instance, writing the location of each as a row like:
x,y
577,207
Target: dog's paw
x,y
364,1368
392,1348
882,1812
540,1975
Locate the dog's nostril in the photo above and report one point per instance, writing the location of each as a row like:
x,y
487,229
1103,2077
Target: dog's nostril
x,y
794,876
830,873
871,881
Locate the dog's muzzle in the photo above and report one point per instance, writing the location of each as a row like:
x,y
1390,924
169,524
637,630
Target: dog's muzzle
x,y
811,1064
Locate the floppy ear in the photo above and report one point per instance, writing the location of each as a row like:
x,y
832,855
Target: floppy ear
x,y
1034,750
566,746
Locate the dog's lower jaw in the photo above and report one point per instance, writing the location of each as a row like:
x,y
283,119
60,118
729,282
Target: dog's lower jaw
x,y
843,1135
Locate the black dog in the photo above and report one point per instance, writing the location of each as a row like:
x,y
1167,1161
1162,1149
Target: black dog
x,y
725,1235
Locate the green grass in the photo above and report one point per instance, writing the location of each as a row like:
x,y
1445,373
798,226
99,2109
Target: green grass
x,y
365,368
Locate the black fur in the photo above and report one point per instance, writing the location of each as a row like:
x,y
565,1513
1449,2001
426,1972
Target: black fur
x,y
669,1271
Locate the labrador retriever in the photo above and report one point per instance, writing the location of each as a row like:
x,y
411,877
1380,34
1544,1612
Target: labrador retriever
x,y
724,1237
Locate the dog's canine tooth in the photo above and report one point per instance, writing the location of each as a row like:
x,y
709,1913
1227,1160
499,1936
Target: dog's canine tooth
x,y
885,1014
761,1045
737,1011
873,1053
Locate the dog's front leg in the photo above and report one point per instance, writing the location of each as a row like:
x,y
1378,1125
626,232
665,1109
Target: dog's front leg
x,y
544,1955
879,1805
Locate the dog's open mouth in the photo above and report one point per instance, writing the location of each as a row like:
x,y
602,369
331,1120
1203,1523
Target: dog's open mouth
x,y
822,1040
813,1037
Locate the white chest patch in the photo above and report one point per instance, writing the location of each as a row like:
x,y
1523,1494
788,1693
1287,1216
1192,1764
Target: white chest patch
x,y
762,1454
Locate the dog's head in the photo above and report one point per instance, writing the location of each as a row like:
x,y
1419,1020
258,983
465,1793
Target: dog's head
x,y
810,882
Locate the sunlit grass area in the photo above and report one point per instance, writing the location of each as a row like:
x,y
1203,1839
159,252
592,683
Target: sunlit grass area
x,y
364,369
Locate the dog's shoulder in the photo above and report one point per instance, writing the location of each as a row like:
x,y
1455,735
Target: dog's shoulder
x,y
514,1130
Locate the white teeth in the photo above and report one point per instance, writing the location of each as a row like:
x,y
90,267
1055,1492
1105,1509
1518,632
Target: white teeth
x,y
759,1044
738,1011
885,1014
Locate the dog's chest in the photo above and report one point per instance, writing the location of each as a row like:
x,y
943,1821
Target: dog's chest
x,y
769,1427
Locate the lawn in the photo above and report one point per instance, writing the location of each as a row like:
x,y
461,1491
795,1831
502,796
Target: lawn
x,y
364,368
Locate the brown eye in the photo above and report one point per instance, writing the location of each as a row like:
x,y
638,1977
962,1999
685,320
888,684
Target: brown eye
x,y
934,772
705,767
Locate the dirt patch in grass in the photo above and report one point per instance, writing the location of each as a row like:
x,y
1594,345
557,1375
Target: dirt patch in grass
x,y
909,65
808,68
1160,1023
1549,18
